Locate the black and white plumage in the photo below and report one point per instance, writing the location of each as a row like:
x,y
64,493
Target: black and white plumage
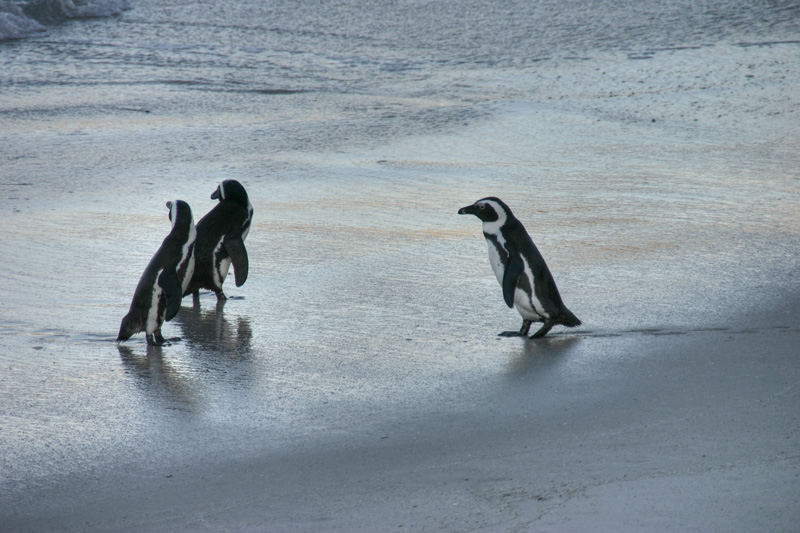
x,y
158,295
520,269
220,241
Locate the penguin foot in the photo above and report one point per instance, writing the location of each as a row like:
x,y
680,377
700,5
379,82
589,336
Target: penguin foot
x,y
155,338
526,325
543,330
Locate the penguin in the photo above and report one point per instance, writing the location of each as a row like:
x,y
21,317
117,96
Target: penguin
x,y
158,295
520,269
220,241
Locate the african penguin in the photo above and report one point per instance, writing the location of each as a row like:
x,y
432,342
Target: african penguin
x,y
160,289
520,269
220,241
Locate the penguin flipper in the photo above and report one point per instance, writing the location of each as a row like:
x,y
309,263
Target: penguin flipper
x,y
238,255
171,285
514,268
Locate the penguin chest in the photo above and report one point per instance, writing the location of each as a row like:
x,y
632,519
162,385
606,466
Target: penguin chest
x,y
497,259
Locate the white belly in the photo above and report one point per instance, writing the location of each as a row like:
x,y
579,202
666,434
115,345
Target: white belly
x,y
528,306
153,320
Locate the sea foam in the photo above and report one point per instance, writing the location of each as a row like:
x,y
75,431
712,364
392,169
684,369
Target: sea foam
x,y
20,19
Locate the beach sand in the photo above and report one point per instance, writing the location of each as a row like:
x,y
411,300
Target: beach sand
x,y
356,382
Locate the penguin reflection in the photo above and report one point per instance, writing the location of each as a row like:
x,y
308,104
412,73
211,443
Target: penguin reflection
x,y
210,330
538,358
155,375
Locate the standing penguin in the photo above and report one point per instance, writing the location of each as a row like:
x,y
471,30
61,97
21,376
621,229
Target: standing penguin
x,y
520,269
160,289
220,241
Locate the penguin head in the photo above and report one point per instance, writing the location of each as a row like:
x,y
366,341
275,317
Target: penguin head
x,y
180,214
231,191
129,327
490,209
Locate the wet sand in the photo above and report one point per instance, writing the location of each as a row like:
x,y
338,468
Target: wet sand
x,y
690,430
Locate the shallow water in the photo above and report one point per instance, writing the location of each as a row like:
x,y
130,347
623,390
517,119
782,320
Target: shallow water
x,y
657,174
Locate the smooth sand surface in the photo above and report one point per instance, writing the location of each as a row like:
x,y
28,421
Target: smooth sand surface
x,y
684,430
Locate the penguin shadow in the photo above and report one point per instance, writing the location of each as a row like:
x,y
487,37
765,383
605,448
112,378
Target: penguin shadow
x,y
539,355
649,331
211,331
154,375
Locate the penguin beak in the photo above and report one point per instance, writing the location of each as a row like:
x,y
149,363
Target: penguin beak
x,y
215,194
467,210
169,206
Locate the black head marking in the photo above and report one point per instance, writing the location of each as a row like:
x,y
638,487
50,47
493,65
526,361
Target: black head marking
x,y
489,209
231,191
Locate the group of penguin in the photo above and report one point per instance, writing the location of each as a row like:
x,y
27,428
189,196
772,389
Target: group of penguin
x,y
193,258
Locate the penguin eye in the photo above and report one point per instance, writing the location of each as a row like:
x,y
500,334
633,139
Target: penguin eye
x,y
481,206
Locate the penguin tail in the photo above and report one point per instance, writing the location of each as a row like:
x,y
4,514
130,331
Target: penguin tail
x,y
127,328
568,319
